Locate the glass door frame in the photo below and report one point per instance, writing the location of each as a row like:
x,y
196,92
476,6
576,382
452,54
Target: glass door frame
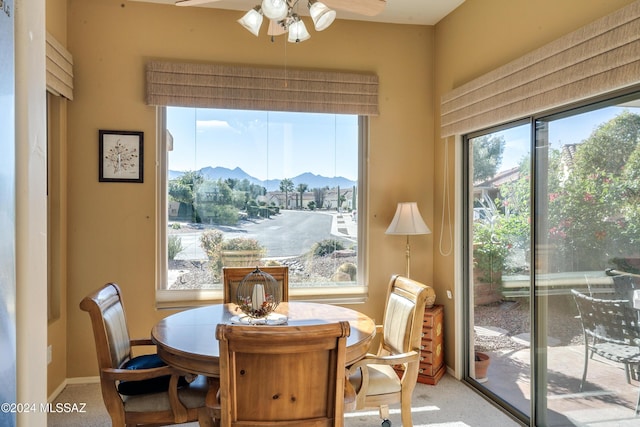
x,y
538,359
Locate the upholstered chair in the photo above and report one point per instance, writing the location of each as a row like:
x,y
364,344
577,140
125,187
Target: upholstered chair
x,y
374,378
143,389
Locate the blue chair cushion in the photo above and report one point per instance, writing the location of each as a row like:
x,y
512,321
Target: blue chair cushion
x,y
152,385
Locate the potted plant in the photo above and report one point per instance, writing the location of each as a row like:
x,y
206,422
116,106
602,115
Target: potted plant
x,y
482,362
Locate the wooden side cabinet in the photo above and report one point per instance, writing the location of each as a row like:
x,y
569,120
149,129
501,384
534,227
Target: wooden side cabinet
x,y
432,366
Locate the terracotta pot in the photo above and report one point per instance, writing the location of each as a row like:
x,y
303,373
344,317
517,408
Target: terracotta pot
x,y
482,365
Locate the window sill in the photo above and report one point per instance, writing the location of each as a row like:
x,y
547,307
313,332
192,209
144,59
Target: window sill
x,y
195,298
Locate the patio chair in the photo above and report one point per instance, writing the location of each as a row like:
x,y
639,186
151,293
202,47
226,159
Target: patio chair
x,y
611,331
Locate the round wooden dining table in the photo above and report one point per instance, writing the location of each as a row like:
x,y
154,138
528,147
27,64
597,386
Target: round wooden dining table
x,y
187,340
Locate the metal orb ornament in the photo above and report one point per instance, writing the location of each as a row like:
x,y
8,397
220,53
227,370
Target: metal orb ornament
x,y
258,294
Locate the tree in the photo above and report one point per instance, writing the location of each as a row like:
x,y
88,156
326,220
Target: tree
x,y
286,186
593,210
487,156
184,188
318,196
301,188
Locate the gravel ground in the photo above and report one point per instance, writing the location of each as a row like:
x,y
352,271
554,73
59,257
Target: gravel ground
x,y
193,274
514,318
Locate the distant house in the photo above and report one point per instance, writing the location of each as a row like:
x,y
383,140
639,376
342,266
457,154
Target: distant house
x,y
330,198
484,193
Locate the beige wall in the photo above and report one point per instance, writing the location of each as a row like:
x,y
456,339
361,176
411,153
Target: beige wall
x,y
111,231
112,227
479,36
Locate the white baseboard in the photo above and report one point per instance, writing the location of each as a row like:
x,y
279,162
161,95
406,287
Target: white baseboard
x,y
68,381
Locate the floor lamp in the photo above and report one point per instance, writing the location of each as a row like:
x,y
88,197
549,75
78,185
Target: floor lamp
x,y
407,222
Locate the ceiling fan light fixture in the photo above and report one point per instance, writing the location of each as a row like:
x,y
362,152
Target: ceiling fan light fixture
x,y
321,15
297,30
252,20
275,9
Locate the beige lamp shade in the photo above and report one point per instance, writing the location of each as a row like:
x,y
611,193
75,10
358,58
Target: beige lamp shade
x,y
407,221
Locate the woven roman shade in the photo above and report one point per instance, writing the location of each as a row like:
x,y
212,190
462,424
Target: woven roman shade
x,y
59,69
599,58
250,88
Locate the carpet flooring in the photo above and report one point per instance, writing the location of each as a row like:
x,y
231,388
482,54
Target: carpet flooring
x,y
450,403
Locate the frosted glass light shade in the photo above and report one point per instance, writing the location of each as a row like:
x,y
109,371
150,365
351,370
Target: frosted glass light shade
x,y
321,15
275,9
252,21
407,221
298,31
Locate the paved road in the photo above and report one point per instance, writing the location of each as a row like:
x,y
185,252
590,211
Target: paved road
x,y
290,233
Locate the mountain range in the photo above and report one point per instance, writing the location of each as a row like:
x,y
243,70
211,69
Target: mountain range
x,y
312,180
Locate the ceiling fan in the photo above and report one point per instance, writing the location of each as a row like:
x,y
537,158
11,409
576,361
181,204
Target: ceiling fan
x,y
283,16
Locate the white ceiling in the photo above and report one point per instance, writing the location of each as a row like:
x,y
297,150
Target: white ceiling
x,y
417,12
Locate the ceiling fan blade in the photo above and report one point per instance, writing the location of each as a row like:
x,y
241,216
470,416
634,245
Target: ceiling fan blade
x,y
275,29
193,2
361,7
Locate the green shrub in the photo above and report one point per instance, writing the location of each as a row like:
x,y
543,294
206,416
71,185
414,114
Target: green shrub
x,y
210,242
174,246
213,244
241,244
326,247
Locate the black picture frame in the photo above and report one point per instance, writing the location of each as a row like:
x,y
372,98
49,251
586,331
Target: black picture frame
x,y
121,156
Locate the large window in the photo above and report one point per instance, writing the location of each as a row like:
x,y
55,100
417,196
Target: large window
x,y
258,188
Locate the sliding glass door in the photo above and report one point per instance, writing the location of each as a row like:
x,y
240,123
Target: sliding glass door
x,y
535,239
499,240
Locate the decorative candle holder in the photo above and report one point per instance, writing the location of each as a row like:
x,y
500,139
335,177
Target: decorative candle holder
x,y
258,294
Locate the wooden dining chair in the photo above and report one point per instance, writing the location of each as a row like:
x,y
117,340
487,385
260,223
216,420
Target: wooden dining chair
x,y
376,382
138,390
232,276
282,376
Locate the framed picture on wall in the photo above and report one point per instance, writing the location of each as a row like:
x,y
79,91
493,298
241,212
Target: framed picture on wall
x,y
120,156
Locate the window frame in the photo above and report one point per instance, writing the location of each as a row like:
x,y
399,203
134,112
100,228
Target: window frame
x,y
195,297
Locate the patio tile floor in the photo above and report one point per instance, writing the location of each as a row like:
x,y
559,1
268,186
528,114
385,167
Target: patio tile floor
x,y
607,399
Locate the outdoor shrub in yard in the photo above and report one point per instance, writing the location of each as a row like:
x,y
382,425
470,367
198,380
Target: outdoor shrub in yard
x,y
174,246
349,268
214,245
326,247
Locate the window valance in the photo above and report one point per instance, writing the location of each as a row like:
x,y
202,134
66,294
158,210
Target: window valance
x,y
59,68
275,89
601,57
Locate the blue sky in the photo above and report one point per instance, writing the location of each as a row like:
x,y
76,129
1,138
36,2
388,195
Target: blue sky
x,y
266,145
568,130
277,145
